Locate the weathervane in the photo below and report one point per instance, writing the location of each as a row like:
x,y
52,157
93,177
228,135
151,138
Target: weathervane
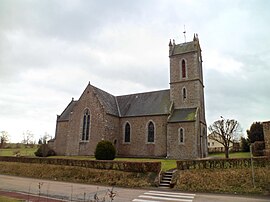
x,y
184,33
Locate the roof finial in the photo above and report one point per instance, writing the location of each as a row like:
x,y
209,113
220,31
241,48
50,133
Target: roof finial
x,y
170,43
184,32
195,38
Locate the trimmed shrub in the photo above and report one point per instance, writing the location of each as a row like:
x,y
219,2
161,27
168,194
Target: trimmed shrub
x,y
105,150
44,151
258,148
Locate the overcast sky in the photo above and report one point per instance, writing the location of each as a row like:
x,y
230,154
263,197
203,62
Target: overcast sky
x,y
50,50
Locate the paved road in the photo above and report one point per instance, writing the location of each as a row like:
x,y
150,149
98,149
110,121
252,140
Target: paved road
x,y
81,192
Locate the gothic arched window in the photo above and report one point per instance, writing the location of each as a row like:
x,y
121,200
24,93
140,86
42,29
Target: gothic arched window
x,y
184,70
127,133
86,125
181,135
151,132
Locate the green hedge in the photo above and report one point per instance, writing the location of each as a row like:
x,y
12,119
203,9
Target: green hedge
x,y
141,167
222,163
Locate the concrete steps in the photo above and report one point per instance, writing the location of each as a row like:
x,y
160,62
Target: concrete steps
x,y
166,180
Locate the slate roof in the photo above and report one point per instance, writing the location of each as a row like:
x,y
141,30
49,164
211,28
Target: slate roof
x,y
185,47
108,101
65,114
182,115
141,104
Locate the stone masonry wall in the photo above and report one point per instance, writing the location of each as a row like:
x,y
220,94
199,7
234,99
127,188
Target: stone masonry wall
x,y
266,131
193,98
191,65
138,145
97,130
60,142
112,130
186,150
192,83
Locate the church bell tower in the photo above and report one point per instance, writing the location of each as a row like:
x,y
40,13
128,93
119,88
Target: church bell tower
x,y
187,88
186,76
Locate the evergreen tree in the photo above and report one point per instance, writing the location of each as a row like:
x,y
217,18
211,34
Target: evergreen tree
x,y
255,133
245,144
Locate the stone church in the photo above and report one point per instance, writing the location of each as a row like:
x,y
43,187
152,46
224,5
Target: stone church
x,y
167,123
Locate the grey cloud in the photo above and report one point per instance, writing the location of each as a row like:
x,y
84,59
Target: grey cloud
x,y
56,47
67,20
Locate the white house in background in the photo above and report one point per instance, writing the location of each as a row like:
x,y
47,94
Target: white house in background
x,y
214,146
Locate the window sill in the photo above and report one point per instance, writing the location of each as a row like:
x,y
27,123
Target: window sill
x,y
84,141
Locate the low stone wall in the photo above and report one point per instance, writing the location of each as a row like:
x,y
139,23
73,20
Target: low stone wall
x,y
141,167
222,163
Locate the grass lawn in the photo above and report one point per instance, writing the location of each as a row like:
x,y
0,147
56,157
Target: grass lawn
x,y
8,199
23,151
231,155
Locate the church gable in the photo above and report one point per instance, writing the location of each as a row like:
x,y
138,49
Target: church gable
x,y
85,124
91,93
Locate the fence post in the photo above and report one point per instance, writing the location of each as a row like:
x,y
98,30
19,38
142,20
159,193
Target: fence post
x,y
252,168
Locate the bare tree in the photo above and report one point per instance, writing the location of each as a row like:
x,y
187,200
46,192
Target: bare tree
x,y
4,138
45,138
28,138
225,132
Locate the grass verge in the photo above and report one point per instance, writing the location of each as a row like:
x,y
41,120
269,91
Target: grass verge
x,y
79,174
22,151
231,180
